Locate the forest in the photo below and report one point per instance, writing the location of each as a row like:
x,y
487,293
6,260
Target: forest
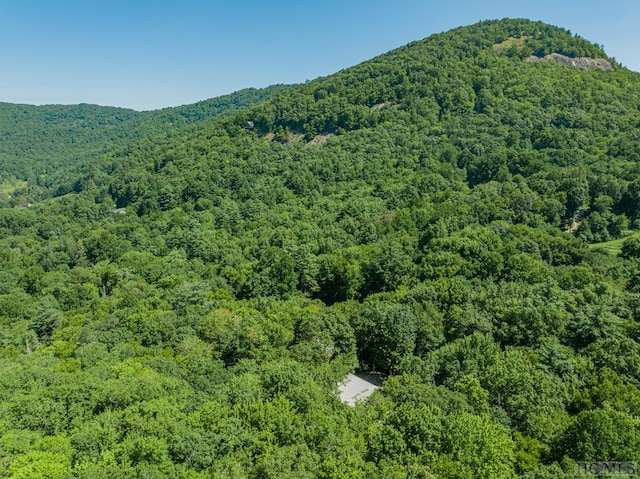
x,y
182,290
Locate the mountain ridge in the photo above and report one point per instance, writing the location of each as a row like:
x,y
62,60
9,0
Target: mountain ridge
x,y
34,136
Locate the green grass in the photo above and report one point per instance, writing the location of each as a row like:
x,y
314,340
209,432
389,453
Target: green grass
x,y
614,247
516,42
8,187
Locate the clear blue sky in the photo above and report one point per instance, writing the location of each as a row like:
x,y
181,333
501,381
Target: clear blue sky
x,y
146,54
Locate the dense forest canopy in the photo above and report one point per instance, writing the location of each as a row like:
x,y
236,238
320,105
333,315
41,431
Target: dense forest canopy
x,y
38,142
181,291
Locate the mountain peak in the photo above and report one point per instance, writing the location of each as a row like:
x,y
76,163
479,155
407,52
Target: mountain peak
x,y
446,67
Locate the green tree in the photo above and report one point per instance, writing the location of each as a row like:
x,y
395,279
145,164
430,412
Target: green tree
x,y
480,446
385,335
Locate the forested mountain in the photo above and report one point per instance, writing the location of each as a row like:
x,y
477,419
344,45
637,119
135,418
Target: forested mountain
x,y
36,142
456,215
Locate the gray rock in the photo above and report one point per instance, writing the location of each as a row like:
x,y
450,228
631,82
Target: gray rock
x,y
583,63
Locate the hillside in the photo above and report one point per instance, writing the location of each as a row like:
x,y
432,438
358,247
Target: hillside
x,y
185,304
36,142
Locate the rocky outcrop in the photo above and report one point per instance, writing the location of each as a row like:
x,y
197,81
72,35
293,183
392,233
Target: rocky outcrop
x,y
583,63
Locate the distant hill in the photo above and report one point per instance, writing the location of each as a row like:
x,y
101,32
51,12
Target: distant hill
x,y
36,141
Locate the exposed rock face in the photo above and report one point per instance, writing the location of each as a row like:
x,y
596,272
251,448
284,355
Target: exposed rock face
x,y
583,63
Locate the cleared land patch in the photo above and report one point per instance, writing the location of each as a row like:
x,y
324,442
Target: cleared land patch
x,y
614,247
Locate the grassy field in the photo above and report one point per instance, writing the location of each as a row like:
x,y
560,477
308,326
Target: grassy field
x,y
615,246
511,42
8,188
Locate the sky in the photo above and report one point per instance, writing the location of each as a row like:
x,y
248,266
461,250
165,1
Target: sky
x,y
150,54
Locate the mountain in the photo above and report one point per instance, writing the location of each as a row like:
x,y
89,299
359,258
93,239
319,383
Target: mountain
x,y
37,141
459,216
